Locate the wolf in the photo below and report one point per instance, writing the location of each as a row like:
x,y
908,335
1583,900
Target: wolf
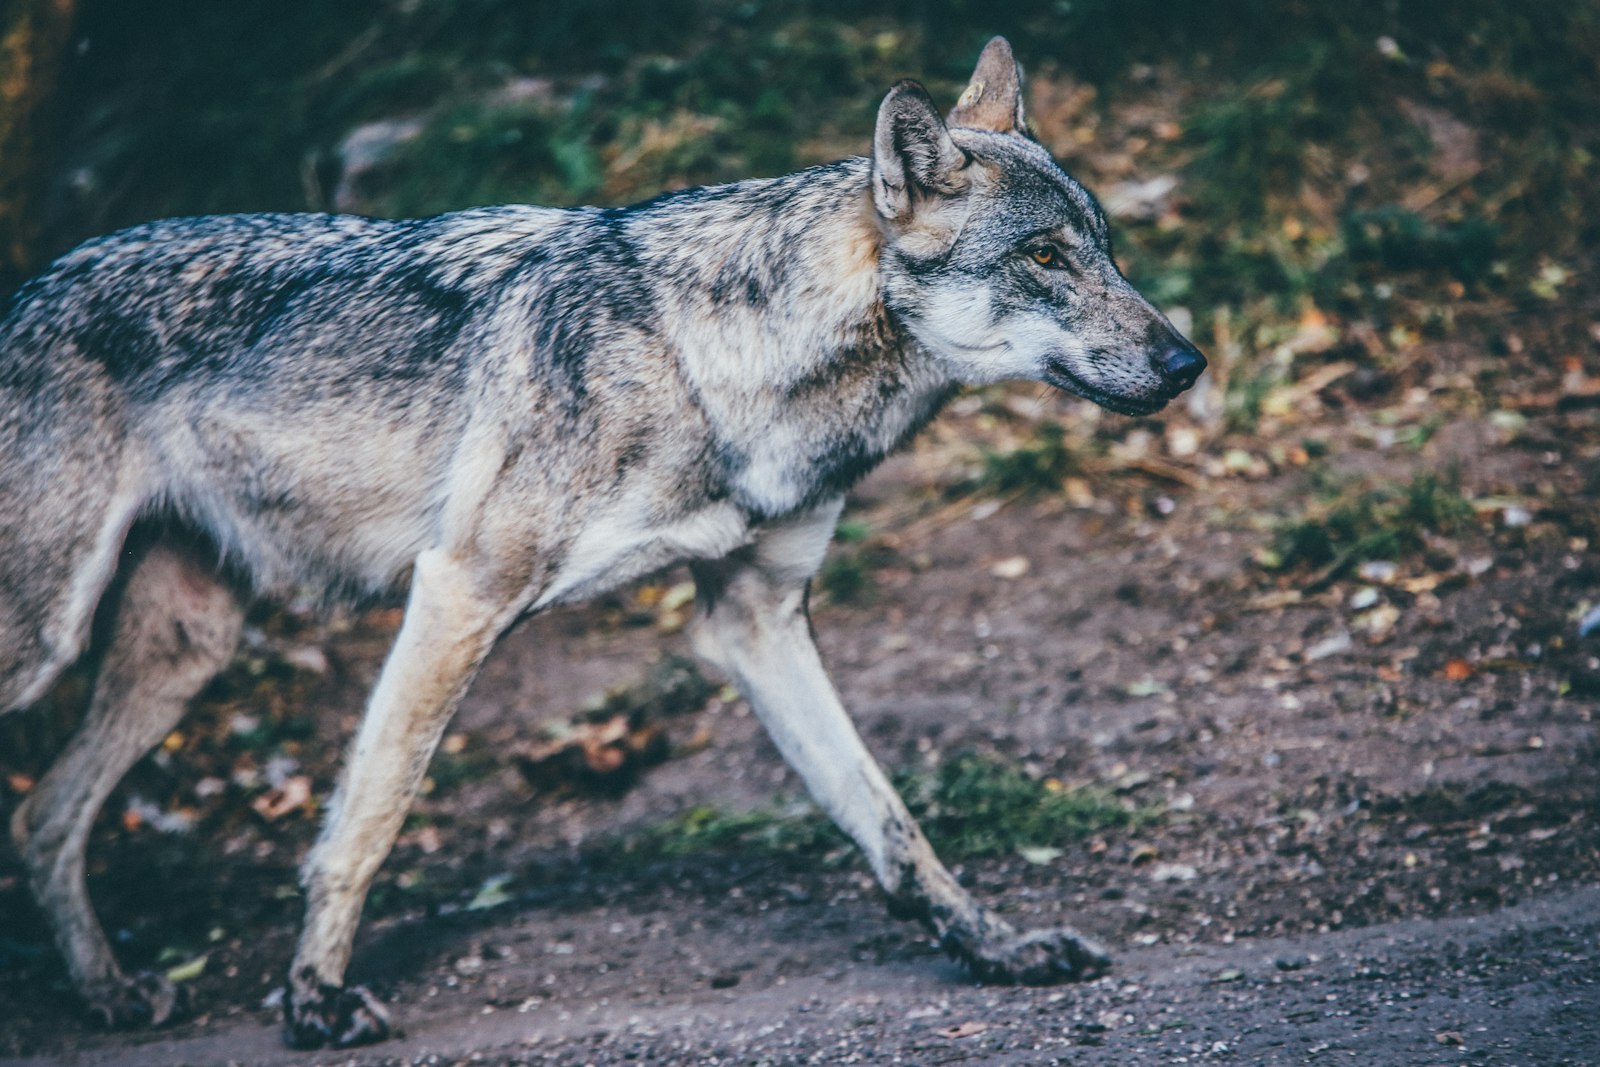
x,y
503,410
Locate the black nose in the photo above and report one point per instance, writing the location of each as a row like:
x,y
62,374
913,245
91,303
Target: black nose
x,y
1180,365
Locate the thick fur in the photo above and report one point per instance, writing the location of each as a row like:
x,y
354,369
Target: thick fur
x,y
508,409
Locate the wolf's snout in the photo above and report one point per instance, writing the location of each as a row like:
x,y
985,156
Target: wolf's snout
x,y
1179,366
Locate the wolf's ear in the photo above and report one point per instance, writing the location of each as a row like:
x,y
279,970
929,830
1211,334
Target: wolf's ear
x,y
993,100
913,156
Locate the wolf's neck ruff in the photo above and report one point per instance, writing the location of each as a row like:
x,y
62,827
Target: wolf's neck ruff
x,y
805,378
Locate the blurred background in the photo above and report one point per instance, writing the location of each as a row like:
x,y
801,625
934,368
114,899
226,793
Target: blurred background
x,y
1397,165
1310,649
1391,171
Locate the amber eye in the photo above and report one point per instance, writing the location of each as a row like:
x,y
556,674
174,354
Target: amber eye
x,y
1044,255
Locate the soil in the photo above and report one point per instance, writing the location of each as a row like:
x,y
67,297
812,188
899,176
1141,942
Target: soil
x,y
1378,839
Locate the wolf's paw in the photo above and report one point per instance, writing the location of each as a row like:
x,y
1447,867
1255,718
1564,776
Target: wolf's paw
x,y
146,999
1035,957
337,1016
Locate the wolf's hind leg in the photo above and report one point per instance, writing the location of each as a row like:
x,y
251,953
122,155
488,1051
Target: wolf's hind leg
x,y
175,626
62,537
757,628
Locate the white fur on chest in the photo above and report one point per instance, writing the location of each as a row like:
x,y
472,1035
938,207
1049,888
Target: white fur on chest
x,y
619,544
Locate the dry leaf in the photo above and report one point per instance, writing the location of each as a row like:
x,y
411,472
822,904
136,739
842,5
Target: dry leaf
x,y
290,796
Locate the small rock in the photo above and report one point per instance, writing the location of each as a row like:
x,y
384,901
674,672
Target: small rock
x,y
1381,571
1333,645
794,894
1173,872
1590,621
308,658
1515,516
1011,568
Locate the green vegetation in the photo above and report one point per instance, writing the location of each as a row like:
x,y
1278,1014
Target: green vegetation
x,y
1036,466
846,575
709,829
1251,145
972,805
976,805
1394,239
1353,525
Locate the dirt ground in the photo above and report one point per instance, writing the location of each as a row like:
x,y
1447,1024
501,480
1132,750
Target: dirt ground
x,y
1376,837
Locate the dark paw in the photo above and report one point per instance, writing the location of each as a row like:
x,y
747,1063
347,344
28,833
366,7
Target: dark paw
x,y
146,999
334,1016
1038,957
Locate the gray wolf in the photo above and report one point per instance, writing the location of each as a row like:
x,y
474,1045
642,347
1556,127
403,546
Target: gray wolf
x,y
505,410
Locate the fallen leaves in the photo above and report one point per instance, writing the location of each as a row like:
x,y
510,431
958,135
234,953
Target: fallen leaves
x,y
1040,856
599,754
491,894
188,972
622,734
292,794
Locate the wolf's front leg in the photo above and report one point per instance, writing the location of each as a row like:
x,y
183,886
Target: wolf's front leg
x,y
755,626
449,627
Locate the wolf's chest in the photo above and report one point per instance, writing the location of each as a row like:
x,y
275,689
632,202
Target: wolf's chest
x,y
622,542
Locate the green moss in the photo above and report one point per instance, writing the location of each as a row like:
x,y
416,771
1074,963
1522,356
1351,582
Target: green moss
x,y
1391,239
1387,522
845,577
1037,465
972,805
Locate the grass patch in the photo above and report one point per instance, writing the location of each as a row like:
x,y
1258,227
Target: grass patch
x,y
1387,522
710,829
1038,465
846,578
1251,144
972,805
977,805
846,575
1390,239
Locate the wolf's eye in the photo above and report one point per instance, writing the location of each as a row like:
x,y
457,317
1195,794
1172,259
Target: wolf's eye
x,y
1044,255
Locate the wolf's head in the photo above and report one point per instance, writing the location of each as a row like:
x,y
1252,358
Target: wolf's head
x,y
1000,264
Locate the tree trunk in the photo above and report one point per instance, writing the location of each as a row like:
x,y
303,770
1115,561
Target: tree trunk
x,y
33,42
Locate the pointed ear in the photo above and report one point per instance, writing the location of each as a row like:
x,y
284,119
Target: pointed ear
x,y
993,100
913,156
